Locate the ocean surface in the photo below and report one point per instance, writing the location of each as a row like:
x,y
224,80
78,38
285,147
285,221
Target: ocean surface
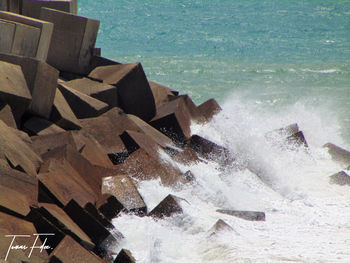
x,y
269,64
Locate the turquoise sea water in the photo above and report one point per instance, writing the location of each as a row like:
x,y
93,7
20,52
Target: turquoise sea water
x,y
275,53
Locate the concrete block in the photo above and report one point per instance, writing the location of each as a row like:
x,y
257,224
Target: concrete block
x,y
62,114
341,178
40,126
338,154
32,8
7,30
169,206
246,215
31,38
134,93
73,40
41,79
297,140
209,109
6,115
13,89
161,94
17,152
220,226
109,206
124,256
81,104
98,90
3,5
68,250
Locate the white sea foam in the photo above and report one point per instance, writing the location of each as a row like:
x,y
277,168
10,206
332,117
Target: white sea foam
x,y
307,219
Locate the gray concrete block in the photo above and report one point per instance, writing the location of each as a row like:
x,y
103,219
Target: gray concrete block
x,y
32,8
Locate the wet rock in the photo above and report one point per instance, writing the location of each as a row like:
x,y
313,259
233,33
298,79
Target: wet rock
x,y
32,8
10,225
220,226
73,40
209,150
174,120
68,250
209,109
134,93
62,114
341,178
169,206
40,126
246,215
338,154
109,206
99,235
41,80
18,191
160,93
136,140
13,89
16,152
284,131
29,37
191,108
6,115
124,256
81,104
98,90
124,190
297,139
188,156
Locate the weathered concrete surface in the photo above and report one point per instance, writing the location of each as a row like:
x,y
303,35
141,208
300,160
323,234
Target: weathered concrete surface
x,y
13,89
124,189
341,178
18,191
33,37
41,80
109,206
124,256
6,115
209,109
161,94
69,250
338,154
17,152
134,93
174,120
98,90
73,40
62,221
188,156
32,8
10,225
169,206
62,114
40,126
136,140
246,215
7,30
81,104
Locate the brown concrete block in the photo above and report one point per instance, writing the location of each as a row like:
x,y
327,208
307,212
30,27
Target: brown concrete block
x,y
32,8
338,154
124,256
297,139
62,221
68,250
160,93
41,79
81,104
87,174
7,30
124,190
98,234
134,93
136,140
209,150
73,40
6,115
13,89
62,114
209,108
98,90
17,152
143,166
341,178
220,226
174,120
109,206
188,156
246,215
65,183
191,108
40,126
169,206
10,225
18,191
32,36
99,61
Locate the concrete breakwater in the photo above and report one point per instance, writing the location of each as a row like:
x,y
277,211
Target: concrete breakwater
x,y
79,130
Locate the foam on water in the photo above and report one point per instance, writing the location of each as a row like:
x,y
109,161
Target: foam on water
x,y
307,219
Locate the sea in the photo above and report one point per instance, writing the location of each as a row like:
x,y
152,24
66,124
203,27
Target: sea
x,y
268,63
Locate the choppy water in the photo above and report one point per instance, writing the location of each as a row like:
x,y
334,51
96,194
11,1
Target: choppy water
x,y
269,63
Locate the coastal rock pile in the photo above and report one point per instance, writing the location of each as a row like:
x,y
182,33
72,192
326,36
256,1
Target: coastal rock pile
x,y
77,131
